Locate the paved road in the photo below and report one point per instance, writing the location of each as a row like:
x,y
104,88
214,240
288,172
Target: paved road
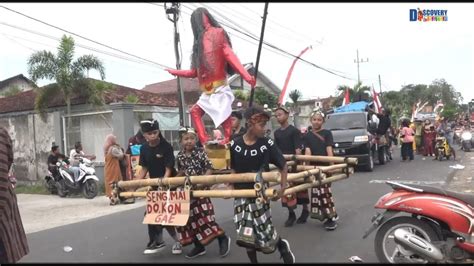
x,y
121,237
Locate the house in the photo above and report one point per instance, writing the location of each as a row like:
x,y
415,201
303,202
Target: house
x,y
33,135
307,106
17,83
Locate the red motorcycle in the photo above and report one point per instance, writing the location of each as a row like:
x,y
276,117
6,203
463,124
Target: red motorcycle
x,y
424,224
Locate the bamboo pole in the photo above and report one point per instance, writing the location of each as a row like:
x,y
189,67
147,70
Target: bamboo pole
x,y
316,183
235,193
205,179
316,158
288,163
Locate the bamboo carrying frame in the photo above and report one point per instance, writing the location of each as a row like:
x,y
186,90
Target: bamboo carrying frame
x,y
306,176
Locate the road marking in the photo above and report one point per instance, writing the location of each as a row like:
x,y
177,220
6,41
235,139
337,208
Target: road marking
x,y
377,181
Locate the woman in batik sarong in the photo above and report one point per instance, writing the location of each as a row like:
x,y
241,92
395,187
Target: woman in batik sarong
x,y
201,228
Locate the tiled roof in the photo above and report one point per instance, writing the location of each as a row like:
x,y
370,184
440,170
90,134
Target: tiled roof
x,y
24,101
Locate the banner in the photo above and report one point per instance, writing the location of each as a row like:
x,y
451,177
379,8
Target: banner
x,y
167,207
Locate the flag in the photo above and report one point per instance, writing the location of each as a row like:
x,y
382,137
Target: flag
x,y
377,103
346,100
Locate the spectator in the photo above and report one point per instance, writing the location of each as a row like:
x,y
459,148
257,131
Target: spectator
x,y
13,242
407,134
78,153
113,154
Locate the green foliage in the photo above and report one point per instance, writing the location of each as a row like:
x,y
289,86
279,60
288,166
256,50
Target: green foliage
x,y
295,95
241,95
131,98
264,97
11,91
356,94
70,76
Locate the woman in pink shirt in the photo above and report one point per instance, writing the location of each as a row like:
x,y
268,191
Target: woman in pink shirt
x,y
408,136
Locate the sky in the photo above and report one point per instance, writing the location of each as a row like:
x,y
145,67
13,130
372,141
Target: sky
x,y
402,52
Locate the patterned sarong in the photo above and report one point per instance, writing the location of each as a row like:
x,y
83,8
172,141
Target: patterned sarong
x,y
201,223
254,225
322,203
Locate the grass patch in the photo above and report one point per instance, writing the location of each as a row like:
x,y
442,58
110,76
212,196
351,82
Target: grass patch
x,y
31,189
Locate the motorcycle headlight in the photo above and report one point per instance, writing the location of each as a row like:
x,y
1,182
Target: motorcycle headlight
x,y
361,138
466,135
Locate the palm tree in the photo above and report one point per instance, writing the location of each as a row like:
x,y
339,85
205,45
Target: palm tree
x,y
295,96
358,93
69,76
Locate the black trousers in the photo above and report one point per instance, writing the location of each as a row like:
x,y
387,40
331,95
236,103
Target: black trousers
x,y
407,151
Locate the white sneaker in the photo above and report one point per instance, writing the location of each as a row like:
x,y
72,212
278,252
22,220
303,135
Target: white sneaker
x,y
177,248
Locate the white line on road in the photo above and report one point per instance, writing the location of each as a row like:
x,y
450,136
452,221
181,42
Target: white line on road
x,y
407,182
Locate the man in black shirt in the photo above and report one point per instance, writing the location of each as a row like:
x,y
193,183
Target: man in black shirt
x,y
252,152
53,159
237,128
157,159
288,139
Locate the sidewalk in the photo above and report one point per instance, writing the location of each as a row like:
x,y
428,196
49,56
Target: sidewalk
x,y
41,212
462,179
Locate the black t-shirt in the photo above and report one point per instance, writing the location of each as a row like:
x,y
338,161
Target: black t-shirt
x,y
238,133
245,159
288,139
52,159
157,158
316,144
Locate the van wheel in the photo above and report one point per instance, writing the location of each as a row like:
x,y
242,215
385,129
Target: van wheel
x,y
370,166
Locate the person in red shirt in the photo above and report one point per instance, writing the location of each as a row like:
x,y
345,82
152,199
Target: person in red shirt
x,y
211,61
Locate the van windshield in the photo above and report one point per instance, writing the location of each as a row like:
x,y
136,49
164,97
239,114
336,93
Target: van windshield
x,y
346,121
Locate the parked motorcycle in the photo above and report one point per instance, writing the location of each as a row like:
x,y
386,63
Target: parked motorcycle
x,y
87,182
424,224
50,183
466,140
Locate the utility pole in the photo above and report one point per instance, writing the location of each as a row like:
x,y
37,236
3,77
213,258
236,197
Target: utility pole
x,y
262,31
174,10
361,61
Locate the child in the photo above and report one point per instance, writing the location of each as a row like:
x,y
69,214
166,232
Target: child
x,y
319,141
201,228
157,158
252,152
288,140
407,134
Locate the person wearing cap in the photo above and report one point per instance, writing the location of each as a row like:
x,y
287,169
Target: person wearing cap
x,y
319,141
288,140
201,228
237,128
212,59
157,159
252,152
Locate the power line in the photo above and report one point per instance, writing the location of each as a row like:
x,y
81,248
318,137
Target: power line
x,y
88,39
279,49
77,44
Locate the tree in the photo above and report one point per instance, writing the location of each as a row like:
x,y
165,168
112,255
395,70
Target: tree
x,y
263,97
295,96
70,76
11,90
241,95
356,94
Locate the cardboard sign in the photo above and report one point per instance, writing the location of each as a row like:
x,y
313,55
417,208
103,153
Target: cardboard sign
x,y
167,207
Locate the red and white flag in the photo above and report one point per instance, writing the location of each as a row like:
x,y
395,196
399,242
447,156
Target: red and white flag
x,y
346,100
377,103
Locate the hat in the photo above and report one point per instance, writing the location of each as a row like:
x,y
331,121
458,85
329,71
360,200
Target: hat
x,y
54,146
185,130
149,125
236,114
282,107
253,111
